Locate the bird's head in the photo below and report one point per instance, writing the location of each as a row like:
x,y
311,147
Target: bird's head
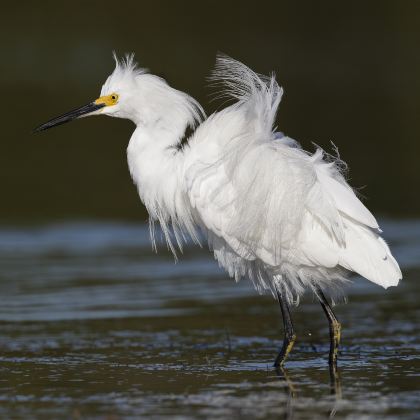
x,y
131,93
115,98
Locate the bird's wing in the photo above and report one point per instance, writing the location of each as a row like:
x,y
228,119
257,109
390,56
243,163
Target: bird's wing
x,y
312,219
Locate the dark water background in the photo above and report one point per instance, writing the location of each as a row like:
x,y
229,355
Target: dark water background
x,y
95,325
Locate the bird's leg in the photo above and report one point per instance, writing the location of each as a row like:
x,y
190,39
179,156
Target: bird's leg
x,y
335,327
289,333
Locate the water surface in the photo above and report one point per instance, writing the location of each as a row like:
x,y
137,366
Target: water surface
x,y
93,324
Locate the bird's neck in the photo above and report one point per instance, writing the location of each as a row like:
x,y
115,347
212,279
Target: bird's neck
x,y
156,165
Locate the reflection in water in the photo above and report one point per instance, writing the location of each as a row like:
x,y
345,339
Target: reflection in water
x,y
335,388
93,322
290,390
335,380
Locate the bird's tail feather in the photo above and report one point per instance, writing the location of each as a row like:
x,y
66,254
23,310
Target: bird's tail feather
x,y
367,254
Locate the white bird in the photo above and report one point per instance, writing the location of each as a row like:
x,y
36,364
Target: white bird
x,y
270,211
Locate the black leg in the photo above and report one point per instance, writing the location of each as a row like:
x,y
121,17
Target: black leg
x,y
335,327
289,333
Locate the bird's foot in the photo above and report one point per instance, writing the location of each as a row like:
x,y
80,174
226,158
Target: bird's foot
x,y
285,350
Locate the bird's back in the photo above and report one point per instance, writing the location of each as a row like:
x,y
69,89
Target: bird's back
x,y
273,212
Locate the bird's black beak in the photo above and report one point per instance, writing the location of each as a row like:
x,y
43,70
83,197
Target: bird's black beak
x,y
70,116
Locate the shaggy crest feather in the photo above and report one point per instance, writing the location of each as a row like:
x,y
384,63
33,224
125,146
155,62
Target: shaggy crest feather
x,y
125,73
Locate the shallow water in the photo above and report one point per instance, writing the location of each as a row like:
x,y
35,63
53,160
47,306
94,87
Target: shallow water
x,y
93,324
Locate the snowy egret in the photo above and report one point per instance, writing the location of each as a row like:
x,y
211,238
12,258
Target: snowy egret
x,y
270,211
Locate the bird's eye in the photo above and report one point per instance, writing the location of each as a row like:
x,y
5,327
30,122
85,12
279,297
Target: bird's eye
x,y
113,98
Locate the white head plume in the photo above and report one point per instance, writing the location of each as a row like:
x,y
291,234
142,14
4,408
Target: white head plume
x,y
147,99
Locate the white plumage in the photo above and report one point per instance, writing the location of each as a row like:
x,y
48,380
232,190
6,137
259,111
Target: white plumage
x,y
271,212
